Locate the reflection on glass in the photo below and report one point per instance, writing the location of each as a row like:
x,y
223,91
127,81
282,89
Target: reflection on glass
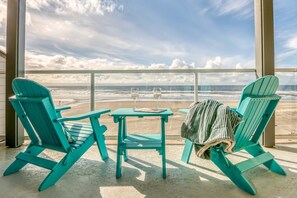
x,y
134,95
157,93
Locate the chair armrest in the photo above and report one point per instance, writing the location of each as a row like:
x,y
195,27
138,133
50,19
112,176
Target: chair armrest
x,y
84,116
58,109
235,110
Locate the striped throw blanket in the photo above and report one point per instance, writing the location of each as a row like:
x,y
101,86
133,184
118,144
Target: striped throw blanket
x,y
208,124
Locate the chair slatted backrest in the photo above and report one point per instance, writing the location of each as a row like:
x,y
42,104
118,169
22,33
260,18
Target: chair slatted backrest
x,y
257,104
35,108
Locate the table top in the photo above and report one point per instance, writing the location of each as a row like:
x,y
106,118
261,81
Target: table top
x,y
131,112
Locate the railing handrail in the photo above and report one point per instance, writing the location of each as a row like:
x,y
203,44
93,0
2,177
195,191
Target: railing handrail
x,y
30,71
286,70
108,71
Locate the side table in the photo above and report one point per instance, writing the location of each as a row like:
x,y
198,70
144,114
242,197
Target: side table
x,y
139,141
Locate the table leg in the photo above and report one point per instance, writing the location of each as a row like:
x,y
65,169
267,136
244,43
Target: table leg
x,y
119,149
124,136
163,147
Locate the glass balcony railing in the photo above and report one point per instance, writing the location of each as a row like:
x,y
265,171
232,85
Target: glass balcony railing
x,y
286,112
87,90
2,96
2,104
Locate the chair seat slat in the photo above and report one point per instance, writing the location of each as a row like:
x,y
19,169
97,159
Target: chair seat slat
x,y
77,124
80,131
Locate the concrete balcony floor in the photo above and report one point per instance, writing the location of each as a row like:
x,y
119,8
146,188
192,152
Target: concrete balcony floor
x,y
92,177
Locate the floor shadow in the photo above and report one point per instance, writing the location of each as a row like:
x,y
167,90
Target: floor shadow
x,y
286,148
96,178
291,142
145,165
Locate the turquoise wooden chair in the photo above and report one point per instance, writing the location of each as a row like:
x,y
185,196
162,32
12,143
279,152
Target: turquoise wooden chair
x,y
257,104
47,130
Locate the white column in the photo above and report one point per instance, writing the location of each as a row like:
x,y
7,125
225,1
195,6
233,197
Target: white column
x,y
264,43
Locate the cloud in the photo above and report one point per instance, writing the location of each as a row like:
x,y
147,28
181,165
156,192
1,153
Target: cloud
x,y
83,7
280,57
243,8
2,13
231,62
181,64
125,35
134,67
38,4
64,7
292,43
2,48
28,19
285,57
238,62
58,62
216,63
36,61
54,35
157,66
239,66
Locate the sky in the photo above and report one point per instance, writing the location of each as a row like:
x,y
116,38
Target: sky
x,y
133,34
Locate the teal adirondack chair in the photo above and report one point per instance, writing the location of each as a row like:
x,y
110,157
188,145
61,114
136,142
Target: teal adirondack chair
x,y
46,128
257,104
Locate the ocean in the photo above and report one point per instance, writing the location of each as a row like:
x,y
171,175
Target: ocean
x,y
169,92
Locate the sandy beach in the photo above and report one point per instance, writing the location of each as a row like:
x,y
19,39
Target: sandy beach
x,y
286,117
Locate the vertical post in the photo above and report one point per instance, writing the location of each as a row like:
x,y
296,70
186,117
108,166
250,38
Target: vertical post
x,y
15,50
195,86
264,43
92,91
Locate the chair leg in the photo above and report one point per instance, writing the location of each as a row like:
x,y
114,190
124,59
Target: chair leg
x,y
231,171
54,176
99,137
60,169
271,164
102,147
19,164
65,164
187,151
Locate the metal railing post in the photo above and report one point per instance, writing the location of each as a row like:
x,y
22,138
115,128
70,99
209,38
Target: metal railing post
x,y
196,87
92,91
